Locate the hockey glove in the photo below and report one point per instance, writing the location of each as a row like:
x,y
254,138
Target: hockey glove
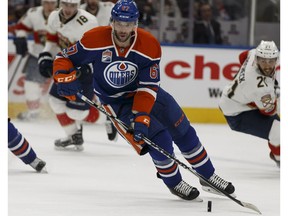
x,y
21,45
67,84
45,62
141,125
83,71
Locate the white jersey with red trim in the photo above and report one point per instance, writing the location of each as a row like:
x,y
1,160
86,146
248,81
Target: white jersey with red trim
x,y
104,12
249,90
34,22
66,34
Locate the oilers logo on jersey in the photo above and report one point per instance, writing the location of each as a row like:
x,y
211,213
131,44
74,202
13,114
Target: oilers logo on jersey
x,y
120,73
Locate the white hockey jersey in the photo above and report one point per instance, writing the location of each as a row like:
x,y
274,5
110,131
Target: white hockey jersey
x,y
104,12
33,22
249,90
66,34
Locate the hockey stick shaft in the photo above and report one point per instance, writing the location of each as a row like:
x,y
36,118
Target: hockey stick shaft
x,y
167,154
15,71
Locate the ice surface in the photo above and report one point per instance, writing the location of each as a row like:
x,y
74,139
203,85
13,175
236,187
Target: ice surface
x,y
110,179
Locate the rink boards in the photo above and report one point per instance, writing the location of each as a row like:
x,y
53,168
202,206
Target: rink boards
x,y
195,76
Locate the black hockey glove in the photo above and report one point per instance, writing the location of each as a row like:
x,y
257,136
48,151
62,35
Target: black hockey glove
x,y
45,62
21,45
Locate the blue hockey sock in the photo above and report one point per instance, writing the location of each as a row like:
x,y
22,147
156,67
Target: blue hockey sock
x,y
195,153
19,146
167,169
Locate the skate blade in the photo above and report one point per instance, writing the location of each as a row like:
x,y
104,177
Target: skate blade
x,y
43,171
75,148
197,199
211,190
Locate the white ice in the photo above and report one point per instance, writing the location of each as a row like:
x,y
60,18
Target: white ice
x,y
110,179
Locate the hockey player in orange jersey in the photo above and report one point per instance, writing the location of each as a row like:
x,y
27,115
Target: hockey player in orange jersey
x,y
126,79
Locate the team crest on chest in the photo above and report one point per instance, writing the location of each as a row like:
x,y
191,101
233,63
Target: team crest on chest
x,y
107,56
120,73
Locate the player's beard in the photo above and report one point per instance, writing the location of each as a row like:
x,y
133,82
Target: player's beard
x,y
121,36
267,71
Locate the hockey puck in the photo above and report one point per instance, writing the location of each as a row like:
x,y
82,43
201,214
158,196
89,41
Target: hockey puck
x,y
209,207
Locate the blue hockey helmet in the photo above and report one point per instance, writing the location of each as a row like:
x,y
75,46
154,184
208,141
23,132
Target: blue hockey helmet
x,y
125,11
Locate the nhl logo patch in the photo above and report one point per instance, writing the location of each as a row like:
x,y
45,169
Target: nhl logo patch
x,y
107,56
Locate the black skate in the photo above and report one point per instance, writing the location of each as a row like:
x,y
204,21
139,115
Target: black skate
x,y
38,165
220,183
110,130
74,142
274,159
186,191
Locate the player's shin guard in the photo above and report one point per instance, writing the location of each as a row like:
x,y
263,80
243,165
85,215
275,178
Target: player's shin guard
x,y
19,146
93,115
195,153
168,171
68,124
274,142
166,167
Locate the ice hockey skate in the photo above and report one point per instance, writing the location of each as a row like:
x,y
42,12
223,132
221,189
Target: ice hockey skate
x,y
38,165
73,142
186,192
220,183
27,116
111,130
273,157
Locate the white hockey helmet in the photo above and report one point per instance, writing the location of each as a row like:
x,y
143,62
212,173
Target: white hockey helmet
x,y
267,49
71,1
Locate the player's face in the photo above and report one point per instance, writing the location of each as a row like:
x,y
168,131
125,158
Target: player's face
x,y
93,4
267,66
69,9
123,30
48,7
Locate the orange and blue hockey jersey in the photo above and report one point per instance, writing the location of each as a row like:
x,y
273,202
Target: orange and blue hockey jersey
x,y
119,73
128,80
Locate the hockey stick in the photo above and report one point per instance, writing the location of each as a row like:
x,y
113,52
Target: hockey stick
x,y
167,154
15,70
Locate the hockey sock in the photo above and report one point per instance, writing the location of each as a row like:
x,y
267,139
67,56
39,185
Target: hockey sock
x,y
19,146
68,124
168,171
93,115
195,153
32,94
167,168
274,139
275,151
